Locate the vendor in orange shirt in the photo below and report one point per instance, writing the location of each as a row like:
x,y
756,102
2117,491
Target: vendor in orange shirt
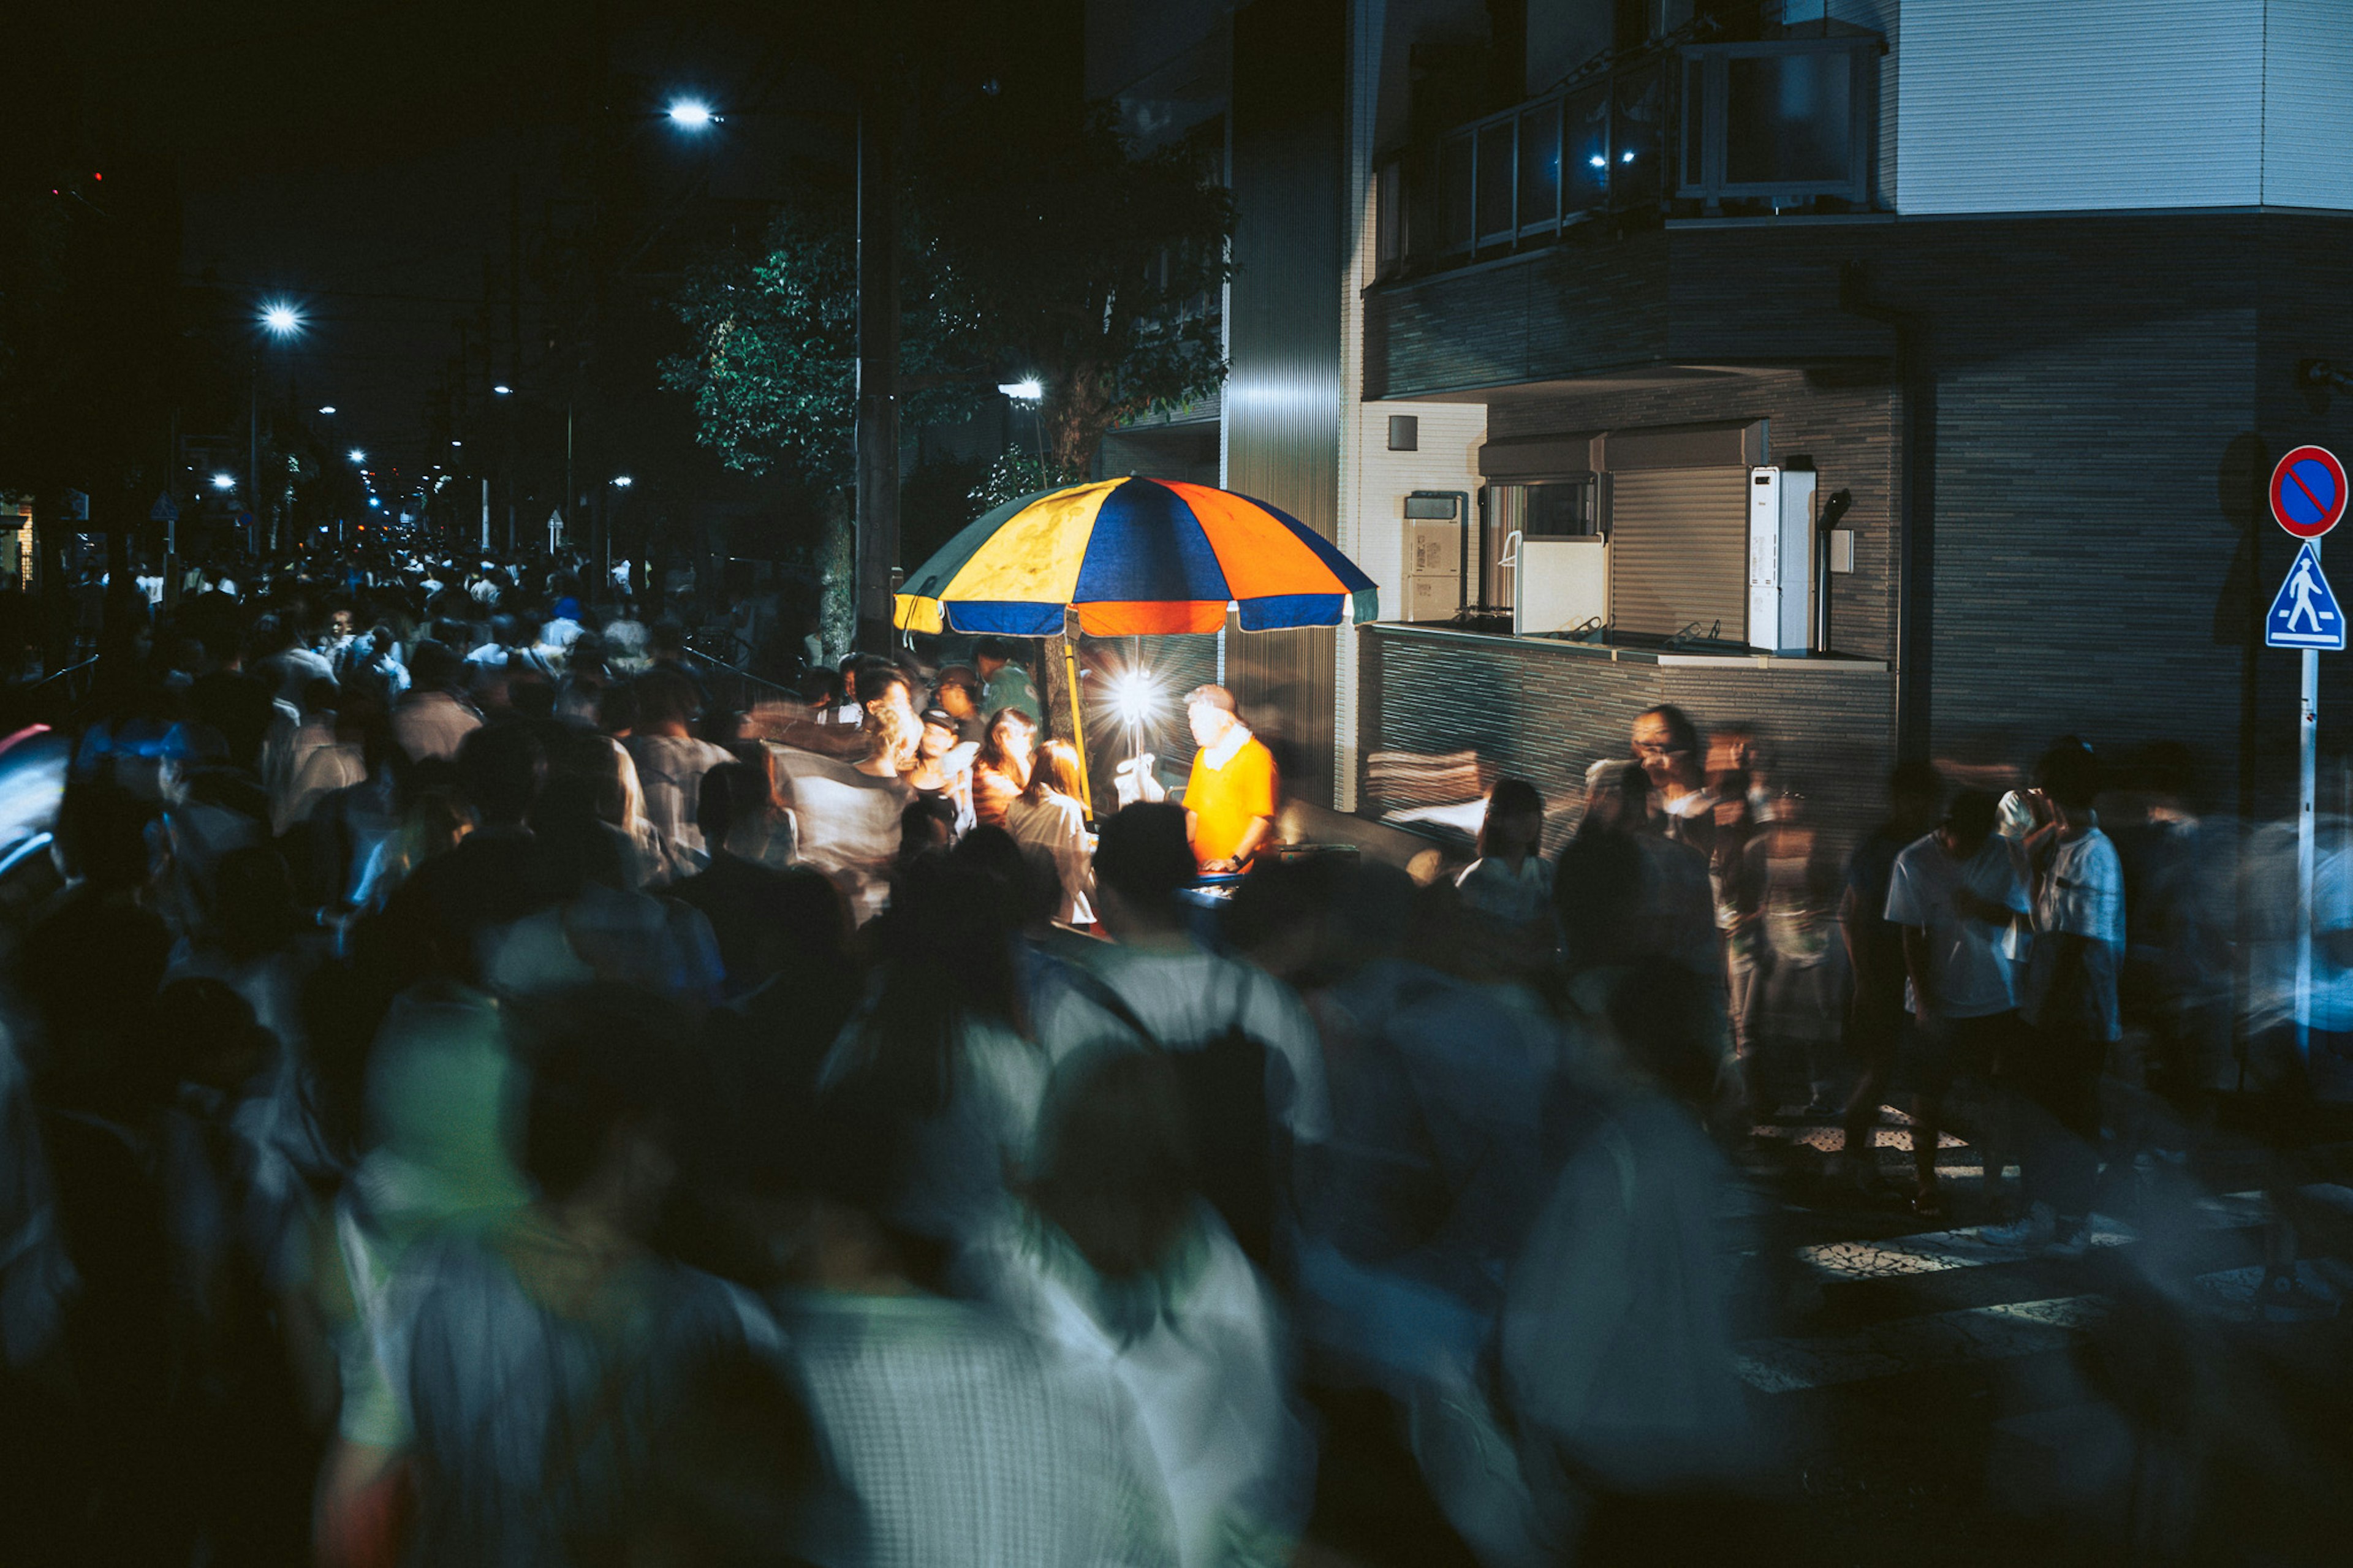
x,y
1231,796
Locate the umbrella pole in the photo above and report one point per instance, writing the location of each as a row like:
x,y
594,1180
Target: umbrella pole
x,y
1077,721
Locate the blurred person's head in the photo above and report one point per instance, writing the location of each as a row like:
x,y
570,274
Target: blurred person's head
x,y
1143,859
1011,746
940,734
1968,822
253,909
1115,1160
1915,792
503,767
1026,895
434,666
665,641
1666,744
215,1041
666,703
2069,774
1513,827
927,827
1056,772
1210,710
1617,798
821,689
612,1083
737,811
990,655
947,962
957,690
1665,1020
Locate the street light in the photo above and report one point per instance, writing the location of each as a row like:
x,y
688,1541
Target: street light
x,y
281,318
356,455
224,481
327,408
621,481
503,389
1022,391
691,114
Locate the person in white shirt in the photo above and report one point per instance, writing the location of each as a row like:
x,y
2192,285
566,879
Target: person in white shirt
x,y
1510,884
1116,1261
1048,818
2070,998
670,764
429,720
1953,892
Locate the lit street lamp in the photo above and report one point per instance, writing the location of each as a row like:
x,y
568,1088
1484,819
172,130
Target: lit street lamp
x,y
691,114
622,482
356,455
224,482
503,389
327,408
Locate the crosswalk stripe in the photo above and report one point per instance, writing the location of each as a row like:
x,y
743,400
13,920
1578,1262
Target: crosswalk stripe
x,y
1998,1331
1931,1252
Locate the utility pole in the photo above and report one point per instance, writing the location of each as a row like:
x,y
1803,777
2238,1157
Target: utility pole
x,y
877,364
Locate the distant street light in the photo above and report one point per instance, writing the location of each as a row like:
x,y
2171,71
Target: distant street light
x,y
503,389
1022,391
691,114
621,481
457,443
282,319
327,408
224,481
356,455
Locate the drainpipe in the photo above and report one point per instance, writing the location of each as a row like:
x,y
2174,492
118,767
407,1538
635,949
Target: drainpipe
x,y
1916,538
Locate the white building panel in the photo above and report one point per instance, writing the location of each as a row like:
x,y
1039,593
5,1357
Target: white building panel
x,y
2308,103
2057,105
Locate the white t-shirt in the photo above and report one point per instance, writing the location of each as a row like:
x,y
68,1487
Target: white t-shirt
x,y
1967,962
2083,894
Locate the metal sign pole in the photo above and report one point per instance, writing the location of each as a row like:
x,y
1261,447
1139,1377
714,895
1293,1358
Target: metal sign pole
x,y
2308,773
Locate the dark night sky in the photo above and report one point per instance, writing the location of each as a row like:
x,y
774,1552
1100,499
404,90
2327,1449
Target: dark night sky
x,y
356,157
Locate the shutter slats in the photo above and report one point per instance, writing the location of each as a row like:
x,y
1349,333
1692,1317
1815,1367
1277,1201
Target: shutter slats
x,y
1679,551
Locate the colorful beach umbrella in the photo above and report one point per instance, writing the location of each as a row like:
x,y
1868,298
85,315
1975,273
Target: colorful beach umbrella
x,y
1134,557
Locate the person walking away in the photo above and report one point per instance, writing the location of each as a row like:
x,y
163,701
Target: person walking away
x,y
1005,683
1223,1016
671,763
1117,1261
1797,889
1874,954
2071,1000
1049,819
1953,892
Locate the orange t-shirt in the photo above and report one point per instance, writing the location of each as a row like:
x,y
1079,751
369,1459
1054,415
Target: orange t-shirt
x,y
1225,801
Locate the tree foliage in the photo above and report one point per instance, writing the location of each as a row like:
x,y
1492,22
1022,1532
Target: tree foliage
x,y
774,370
1036,242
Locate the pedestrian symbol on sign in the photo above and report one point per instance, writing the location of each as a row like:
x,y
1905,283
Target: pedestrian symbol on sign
x,y
2304,613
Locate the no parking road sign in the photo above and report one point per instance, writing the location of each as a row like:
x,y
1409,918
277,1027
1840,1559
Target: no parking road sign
x,y
2308,491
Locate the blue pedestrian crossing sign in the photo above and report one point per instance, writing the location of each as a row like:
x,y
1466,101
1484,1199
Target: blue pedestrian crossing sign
x,y
2306,614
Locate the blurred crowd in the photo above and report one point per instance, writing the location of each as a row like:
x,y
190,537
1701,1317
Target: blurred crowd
x,y
485,1084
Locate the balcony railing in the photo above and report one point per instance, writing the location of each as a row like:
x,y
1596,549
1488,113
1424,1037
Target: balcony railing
x,y
1784,124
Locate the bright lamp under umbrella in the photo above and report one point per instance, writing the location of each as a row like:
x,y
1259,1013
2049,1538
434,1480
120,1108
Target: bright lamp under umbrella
x,y
1134,557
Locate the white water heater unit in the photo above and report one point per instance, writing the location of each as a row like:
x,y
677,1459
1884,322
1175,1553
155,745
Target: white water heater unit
x,y
1781,560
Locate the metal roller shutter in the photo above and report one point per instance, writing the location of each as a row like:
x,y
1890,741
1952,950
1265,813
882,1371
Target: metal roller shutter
x,y
1679,551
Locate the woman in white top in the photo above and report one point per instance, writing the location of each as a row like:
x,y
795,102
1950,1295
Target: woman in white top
x,y
1048,817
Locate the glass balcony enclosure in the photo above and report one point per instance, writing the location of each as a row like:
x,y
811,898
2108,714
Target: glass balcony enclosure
x,y
1701,129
